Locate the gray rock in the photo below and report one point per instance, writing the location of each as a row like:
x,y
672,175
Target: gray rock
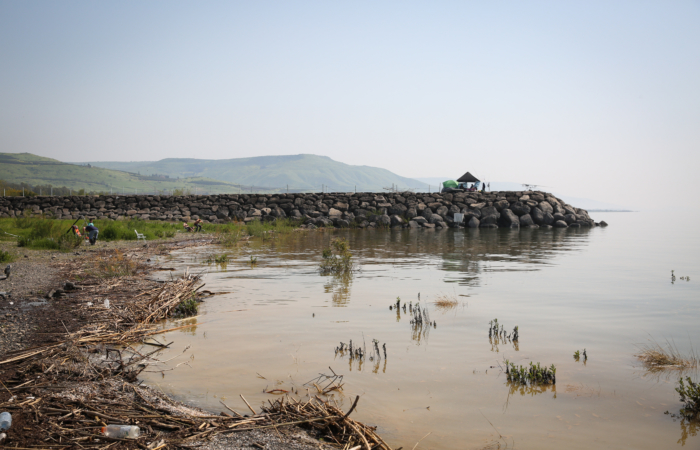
x,y
473,222
603,223
491,219
509,219
396,220
519,208
558,216
334,212
570,218
501,205
488,225
442,211
413,224
340,223
560,224
428,225
420,220
384,220
490,210
526,220
546,207
537,215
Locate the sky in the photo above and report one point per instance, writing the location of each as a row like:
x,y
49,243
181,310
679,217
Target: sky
x,y
592,99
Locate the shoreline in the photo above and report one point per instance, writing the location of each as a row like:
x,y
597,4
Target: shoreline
x,y
62,378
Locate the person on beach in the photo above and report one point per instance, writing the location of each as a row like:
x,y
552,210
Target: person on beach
x,y
92,232
198,225
187,227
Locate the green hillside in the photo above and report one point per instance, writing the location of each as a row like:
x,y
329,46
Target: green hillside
x,y
39,171
300,172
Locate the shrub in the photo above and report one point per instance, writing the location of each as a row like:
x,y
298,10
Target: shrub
x,y
187,307
337,258
690,396
6,256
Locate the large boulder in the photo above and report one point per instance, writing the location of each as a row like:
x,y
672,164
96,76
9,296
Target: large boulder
x,y
546,207
570,218
334,212
442,211
384,220
491,219
509,219
473,222
411,212
396,220
547,219
501,205
559,216
526,220
490,210
420,220
537,215
398,209
519,208
560,224
488,225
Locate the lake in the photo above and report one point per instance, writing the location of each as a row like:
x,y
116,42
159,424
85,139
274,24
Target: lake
x,y
607,290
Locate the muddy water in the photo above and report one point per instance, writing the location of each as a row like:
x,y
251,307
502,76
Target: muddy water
x,y
605,290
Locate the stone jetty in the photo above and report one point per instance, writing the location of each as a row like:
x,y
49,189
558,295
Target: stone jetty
x,y
509,209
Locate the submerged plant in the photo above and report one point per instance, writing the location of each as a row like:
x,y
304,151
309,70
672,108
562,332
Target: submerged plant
x,y
531,375
218,259
577,355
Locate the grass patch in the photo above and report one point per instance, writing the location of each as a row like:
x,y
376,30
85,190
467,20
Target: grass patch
x,y
257,228
116,265
337,258
656,357
446,302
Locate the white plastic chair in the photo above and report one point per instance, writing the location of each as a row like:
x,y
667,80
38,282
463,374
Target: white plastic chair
x,y
139,236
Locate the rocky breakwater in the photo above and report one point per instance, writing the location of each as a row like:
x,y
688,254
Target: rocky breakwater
x,y
510,209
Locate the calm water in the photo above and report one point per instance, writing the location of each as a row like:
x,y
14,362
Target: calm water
x,y
605,290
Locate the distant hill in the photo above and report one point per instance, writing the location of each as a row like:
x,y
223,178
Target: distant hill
x,y
300,172
40,171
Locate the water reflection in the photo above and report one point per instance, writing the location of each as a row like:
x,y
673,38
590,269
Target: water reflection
x,y
339,286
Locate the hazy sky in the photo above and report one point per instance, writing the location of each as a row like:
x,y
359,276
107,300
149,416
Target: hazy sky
x,y
592,99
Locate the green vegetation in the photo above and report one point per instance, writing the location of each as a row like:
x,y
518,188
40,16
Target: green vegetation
x,y
217,259
187,307
532,375
49,234
6,257
337,258
267,230
690,396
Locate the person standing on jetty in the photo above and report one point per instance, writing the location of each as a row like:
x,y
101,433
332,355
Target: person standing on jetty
x,y
92,232
197,225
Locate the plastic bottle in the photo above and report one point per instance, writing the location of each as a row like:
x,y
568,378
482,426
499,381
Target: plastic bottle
x,y
107,303
5,421
121,431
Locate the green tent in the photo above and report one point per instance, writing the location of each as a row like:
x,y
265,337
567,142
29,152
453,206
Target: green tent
x,y
450,184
